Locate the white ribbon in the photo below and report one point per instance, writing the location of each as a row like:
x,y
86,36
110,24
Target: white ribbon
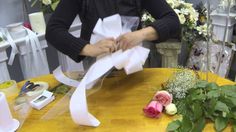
x,y
131,60
14,50
39,59
59,75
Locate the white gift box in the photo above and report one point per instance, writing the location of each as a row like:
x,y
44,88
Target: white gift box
x,y
219,24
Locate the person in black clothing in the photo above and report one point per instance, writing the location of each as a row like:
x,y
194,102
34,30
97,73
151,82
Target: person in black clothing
x,y
90,11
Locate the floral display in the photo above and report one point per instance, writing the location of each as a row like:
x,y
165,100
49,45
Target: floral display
x,y
47,6
202,102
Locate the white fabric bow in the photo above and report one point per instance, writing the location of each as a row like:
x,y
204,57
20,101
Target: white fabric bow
x,y
131,60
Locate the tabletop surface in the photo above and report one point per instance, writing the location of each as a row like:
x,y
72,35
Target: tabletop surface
x,y
118,104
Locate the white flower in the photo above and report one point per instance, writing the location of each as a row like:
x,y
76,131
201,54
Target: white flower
x,y
46,2
182,18
202,30
171,109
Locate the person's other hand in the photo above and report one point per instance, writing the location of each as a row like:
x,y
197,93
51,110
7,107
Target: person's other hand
x,y
101,47
129,40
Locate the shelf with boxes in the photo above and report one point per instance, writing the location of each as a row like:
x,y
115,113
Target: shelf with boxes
x,y
27,53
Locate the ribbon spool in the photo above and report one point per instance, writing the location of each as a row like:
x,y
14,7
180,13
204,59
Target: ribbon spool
x,y
9,88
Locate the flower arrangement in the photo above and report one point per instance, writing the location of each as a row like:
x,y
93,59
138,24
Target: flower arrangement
x,y
192,20
203,102
47,6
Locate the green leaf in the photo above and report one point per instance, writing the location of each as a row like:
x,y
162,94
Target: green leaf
x,y
221,123
174,125
220,106
200,97
199,125
197,111
229,91
187,124
201,84
230,101
212,86
213,94
54,5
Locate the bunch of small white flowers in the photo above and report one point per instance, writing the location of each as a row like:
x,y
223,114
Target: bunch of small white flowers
x,y
181,81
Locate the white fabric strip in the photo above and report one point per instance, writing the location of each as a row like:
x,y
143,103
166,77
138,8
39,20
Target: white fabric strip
x,y
14,50
39,59
59,75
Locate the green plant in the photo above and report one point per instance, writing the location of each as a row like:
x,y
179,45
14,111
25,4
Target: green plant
x,y
206,102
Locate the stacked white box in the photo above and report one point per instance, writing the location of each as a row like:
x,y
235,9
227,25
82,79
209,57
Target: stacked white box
x,y
219,24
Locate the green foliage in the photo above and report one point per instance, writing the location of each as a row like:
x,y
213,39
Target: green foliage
x,y
61,89
1,39
206,101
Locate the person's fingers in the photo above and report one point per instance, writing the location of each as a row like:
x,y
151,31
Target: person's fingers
x,y
106,50
124,46
111,39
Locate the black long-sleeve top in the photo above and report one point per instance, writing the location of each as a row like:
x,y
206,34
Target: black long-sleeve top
x,y
90,11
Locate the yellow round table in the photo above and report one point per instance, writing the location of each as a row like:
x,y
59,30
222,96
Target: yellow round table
x,y
118,105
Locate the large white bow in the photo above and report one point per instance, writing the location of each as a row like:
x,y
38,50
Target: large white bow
x,y
131,60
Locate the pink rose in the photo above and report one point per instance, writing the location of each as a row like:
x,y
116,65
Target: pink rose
x,y
153,109
163,97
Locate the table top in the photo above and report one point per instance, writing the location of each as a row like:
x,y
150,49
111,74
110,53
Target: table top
x,y
117,104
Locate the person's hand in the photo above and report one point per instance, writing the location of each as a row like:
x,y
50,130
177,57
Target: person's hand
x,y
129,40
132,39
101,47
